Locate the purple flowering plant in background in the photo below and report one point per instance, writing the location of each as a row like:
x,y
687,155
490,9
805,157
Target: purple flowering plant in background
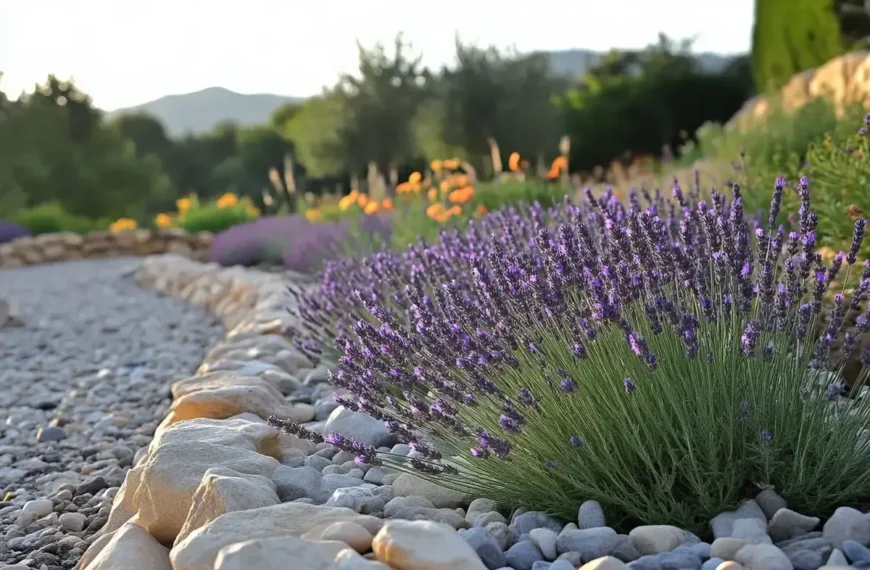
x,y
10,231
295,242
666,357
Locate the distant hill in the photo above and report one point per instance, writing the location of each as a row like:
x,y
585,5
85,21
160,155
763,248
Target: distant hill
x,y
200,111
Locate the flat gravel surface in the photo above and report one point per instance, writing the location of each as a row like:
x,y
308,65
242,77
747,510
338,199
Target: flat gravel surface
x,y
83,385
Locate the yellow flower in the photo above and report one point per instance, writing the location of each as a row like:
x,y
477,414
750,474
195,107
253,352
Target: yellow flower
x,y
415,178
228,200
163,221
347,201
183,204
313,215
514,161
252,210
372,207
123,224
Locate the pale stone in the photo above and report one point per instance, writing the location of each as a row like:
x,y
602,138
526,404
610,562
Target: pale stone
x,y
199,549
730,565
604,563
217,380
407,485
847,524
350,533
654,539
233,432
726,547
278,553
222,491
172,474
763,557
787,524
349,559
545,540
233,400
424,545
130,547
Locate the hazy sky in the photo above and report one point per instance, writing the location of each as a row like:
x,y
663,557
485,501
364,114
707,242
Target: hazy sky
x,y
124,52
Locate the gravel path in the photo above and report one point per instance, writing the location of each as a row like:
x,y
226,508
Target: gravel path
x,y
83,384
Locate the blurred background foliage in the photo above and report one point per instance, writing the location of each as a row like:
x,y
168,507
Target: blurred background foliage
x,y
656,110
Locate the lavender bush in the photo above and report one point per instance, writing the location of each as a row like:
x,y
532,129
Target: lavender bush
x,y
667,358
261,241
11,231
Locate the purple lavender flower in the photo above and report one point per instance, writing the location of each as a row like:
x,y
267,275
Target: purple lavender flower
x,y
857,239
629,385
749,339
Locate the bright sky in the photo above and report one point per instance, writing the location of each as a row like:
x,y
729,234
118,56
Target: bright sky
x,y
124,52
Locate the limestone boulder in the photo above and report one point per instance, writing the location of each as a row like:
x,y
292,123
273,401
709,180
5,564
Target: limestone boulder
x,y
200,548
223,491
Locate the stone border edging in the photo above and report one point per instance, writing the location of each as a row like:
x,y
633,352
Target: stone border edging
x,y
238,385
68,246
204,495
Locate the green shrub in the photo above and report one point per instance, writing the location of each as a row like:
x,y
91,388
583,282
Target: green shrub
x,y
775,145
212,218
495,195
51,217
840,170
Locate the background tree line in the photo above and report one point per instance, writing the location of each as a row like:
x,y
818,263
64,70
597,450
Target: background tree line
x,y
393,113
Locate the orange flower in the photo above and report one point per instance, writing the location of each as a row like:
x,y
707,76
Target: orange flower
x,y
362,200
445,185
372,207
435,165
434,209
347,201
451,164
462,195
481,210
415,178
433,194
514,161
559,164
387,204
313,215
455,210
404,188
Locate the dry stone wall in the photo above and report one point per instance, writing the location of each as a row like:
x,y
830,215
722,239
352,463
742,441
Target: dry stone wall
x,y
67,246
844,80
